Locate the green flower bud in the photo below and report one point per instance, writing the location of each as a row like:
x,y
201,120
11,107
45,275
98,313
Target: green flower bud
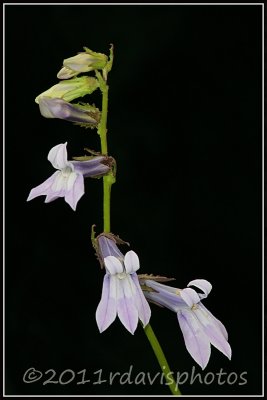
x,y
71,89
82,62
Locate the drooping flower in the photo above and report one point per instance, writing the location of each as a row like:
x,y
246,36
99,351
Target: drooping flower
x,y
82,62
121,292
58,108
68,180
199,327
71,89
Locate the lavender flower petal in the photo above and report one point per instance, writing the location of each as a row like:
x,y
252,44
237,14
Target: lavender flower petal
x,y
51,196
106,311
75,190
213,332
127,311
219,323
141,303
196,341
43,188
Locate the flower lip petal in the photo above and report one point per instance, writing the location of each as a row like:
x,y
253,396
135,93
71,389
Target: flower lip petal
x,y
74,190
141,303
196,340
201,284
113,265
131,262
218,322
127,311
106,311
44,188
213,332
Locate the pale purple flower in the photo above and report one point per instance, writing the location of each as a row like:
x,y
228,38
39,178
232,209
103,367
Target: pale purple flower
x,y
199,327
58,108
121,292
68,180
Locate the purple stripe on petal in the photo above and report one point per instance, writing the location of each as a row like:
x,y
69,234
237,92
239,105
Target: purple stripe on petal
x,y
106,311
141,303
196,341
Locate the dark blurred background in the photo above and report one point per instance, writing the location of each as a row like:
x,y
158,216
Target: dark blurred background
x,y
185,128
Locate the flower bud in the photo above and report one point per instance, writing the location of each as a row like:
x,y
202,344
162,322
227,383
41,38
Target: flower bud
x,y
57,108
82,62
71,89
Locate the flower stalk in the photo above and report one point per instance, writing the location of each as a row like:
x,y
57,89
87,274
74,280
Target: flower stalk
x,y
108,180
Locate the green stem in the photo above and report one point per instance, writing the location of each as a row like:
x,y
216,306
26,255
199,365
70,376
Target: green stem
x,y
106,203
162,360
102,131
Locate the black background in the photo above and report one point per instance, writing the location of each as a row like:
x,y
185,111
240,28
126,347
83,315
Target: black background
x,y
185,128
